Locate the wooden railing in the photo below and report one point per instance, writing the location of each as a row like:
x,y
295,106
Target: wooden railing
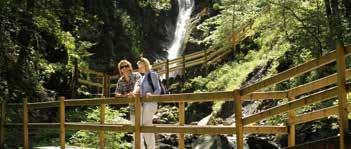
x,y
323,89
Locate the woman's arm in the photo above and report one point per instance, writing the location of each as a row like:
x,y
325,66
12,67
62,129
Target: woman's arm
x,y
118,91
136,89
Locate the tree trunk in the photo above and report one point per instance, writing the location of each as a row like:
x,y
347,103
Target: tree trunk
x,y
347,11
335,27
74,80
347,5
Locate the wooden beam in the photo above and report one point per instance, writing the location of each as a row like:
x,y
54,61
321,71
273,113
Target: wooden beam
x,y
315,115
194,56
189,129
317,84
291,126
85,70
292,72
266,95
317,97
62,123
102,121
167,72
35,125
87,82
181,109
191,97
239,120
220,56
213,54
183,68
186,97
265,130
25,124
137,124
114,85
114,77
342,94
187,57
98,101
2,125
106,85
212,130
41,105
99,127
160,128
194,63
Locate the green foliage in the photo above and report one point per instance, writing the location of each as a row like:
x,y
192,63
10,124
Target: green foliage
x,y
89,139
168,114
159,4
290,33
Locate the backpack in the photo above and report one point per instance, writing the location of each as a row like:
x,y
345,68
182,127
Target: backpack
x,y
163,88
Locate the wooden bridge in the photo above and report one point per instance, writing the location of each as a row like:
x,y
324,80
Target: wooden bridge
x,y
328,88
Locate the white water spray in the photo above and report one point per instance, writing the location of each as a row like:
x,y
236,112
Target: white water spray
x,y
185,9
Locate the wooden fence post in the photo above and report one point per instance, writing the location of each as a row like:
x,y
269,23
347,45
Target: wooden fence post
x,y
167,72
102,121
238,120
342,93
25,124
206,61
3,119
106,85
183,68
291,125
137,137
62,122
181,144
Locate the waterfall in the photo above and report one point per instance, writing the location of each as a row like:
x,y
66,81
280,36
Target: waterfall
x,y
185,9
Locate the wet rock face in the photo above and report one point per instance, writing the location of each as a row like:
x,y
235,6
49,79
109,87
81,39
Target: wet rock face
x,y
213,142
225,142
258,143
166,141
148,32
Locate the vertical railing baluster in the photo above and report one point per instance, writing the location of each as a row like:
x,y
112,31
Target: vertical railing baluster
x,y
342,93
62,123
102,121
206,62
238,120
137,137
106,85
2,125
167,73
291,125
183,68
181,109
25,124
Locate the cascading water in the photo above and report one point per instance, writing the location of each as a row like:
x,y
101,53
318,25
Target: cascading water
x,y
185,9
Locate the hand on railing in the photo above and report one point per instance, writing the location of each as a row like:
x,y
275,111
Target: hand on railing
x,y
148,95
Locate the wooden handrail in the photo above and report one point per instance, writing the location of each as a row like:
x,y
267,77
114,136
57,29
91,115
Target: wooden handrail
x,y
316,97
188,129
266,95
292,72
87,82
85,70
